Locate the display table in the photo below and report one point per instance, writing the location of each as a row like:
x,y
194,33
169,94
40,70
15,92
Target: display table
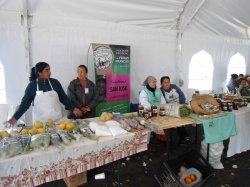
x,y
43,166
241,142
168,122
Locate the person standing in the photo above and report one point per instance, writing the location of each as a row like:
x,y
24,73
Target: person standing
x,y
46,94
173,94
82,92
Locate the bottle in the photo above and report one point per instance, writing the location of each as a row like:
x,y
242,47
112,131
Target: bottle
x,y
154,110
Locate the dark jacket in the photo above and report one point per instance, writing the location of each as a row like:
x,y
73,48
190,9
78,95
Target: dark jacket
x,y
182,98
76,94
30,93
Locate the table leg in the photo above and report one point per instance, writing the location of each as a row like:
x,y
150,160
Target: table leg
x,y
208,147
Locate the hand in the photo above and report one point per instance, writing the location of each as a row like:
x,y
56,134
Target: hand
x,y
12,121
77,112
86,109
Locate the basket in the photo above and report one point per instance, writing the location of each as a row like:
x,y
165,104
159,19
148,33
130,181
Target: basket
x,y
166,175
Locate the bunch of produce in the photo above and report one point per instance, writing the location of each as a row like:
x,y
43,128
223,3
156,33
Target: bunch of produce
x,y
56,140
65,137
25,141
40,141
185,111
9,147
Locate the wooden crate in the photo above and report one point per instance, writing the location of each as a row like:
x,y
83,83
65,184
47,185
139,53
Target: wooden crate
x,y
76,180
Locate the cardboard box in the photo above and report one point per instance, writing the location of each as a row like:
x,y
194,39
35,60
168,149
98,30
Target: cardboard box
x,y
76,180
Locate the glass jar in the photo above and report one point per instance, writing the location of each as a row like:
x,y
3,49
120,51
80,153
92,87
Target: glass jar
x,y
149,113
140,110
154,110
235,105
145,114
162,111
224,106
230,106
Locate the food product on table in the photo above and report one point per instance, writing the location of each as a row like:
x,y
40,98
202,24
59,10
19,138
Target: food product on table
x,y
105,116
41,130
86,132
40,141
62,125
56,140
4,134
33,131
70,126
49,122
38,124
204,104
185,111
25,141
24,131
65,137
10,147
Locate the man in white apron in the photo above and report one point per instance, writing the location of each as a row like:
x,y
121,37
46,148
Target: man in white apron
x,y
46,94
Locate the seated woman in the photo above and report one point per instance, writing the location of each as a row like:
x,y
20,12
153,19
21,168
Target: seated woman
x,y
150,95
173,94
82,92
233,84
244,87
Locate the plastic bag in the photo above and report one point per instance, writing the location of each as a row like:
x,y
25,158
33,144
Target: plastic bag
x,y
10,147
40,141
215,152
190,177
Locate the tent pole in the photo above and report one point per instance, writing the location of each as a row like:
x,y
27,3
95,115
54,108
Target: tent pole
x,y
26,33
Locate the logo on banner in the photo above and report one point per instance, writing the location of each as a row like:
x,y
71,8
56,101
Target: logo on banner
x,y
103,57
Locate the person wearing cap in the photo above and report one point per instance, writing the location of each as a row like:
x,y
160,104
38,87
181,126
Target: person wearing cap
x,y
173,94
233,84
46,94
82,92
150,94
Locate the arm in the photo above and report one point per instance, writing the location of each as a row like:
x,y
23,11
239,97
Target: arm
x,y
143,100
71,94
182,98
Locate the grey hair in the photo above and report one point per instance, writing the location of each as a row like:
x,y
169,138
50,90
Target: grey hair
x,y
148,80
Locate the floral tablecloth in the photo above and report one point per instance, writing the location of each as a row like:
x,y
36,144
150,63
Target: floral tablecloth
x,y
43,166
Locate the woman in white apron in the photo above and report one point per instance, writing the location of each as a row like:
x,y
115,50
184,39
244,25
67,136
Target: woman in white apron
x,y
46,94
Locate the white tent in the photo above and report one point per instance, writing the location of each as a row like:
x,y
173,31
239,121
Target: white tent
x,y
163,35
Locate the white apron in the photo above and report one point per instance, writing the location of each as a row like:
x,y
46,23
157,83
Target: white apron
x,y
46,105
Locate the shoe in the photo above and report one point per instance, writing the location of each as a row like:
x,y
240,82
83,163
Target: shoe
x,y
186,141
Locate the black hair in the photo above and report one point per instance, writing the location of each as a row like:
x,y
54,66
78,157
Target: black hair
x,y
84,67
164,77
240,80
234,76
39,67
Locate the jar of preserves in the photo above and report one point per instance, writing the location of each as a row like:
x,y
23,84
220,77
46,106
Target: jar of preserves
x,y
230,106
162,111
145,114
235,105
149,113
154,110
140,110
224,106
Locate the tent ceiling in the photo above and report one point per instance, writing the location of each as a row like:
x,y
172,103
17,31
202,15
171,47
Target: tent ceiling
x,y
218,17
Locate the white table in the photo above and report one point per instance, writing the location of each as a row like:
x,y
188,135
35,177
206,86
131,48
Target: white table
x,y
240,142
40,166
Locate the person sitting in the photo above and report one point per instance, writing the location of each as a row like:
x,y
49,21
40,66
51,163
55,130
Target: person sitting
x,y
244,88
173,94
150,94
233,84
82,92
46,94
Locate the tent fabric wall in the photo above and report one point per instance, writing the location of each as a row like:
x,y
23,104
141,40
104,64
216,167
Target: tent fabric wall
x,y
65,43
221,50
13,53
